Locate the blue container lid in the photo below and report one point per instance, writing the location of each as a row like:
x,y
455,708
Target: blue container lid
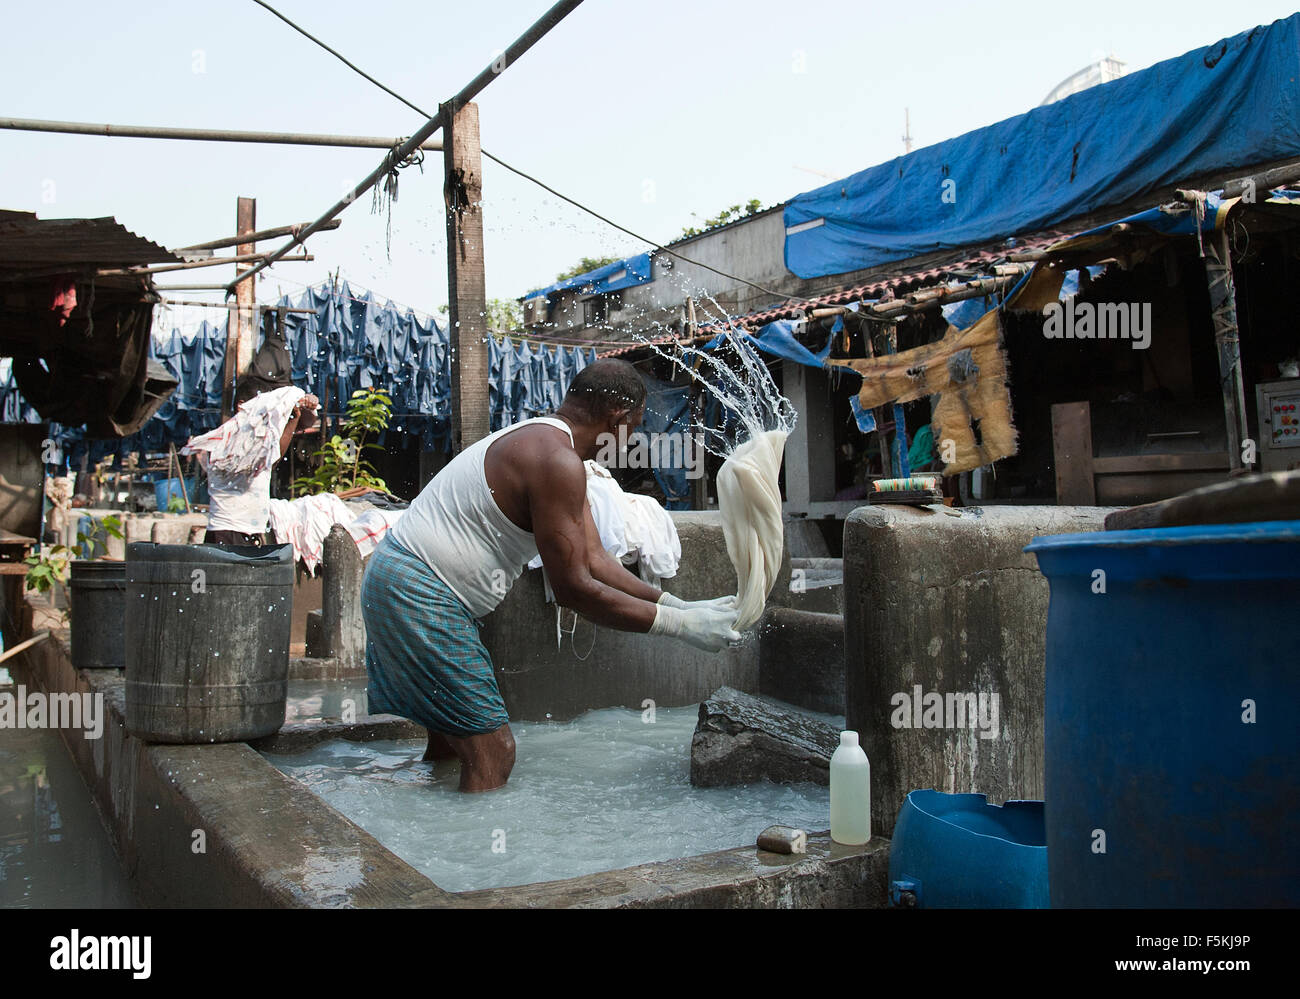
x,y
1257,550
1017,822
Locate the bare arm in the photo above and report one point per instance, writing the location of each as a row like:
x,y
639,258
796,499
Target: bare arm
x,y
609,570
304,406
289,429
558,502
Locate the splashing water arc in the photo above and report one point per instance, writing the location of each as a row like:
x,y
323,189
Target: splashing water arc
x,y
748,494
751,520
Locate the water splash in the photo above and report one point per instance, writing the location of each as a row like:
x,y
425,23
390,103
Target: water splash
x,y
748,492
745,389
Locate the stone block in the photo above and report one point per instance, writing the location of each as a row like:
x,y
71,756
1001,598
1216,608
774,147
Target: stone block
x,y
343,628
741,738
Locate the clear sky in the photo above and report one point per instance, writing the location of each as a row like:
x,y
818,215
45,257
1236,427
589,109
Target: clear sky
x,y
647,112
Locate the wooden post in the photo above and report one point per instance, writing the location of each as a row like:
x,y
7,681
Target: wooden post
x,y
695,418
463,192
239,329
1223,316
699,456
882,413
1072,454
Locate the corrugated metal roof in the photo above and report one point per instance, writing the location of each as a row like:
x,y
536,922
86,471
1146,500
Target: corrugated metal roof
x,y
30,243
891,286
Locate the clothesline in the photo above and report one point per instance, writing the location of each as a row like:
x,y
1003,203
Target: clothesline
x,y
226,307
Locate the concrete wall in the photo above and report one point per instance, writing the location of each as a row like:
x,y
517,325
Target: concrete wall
x,y
622,668
801,659
810,449
947,600
754,249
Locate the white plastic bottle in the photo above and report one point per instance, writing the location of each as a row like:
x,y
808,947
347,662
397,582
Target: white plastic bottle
x,y
850,792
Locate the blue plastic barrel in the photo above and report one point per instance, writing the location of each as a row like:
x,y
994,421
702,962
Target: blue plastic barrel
x,y
1171,744
956,851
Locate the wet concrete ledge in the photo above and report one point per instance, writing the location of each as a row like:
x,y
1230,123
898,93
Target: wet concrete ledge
x,y
308,668
267,841
828,876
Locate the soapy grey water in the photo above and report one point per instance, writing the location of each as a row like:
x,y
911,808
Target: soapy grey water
x,y
605,791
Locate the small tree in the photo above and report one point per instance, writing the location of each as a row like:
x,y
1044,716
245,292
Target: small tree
x,y
503,315
49,569
751,207
584,265
341,464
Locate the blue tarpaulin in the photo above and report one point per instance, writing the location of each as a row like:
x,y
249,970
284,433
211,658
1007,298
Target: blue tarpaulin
x,y
777,338
1231,105
621,274
668,411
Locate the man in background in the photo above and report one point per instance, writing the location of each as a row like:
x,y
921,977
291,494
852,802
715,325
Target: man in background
x,y
239,455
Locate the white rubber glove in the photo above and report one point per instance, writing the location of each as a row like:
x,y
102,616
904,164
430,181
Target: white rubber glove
x,y
707,628
728,603
718,603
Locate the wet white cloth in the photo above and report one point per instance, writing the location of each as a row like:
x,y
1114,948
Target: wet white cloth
x,y
750,500
607,509
651,533
635,529
248,442
305,521
238,456
369,529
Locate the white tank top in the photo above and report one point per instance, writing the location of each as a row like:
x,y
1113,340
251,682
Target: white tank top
x,y
456,527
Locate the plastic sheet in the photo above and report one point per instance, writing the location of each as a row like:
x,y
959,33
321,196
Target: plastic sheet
x,y
1231,105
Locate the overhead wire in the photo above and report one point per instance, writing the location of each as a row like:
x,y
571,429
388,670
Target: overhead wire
x,y
527,176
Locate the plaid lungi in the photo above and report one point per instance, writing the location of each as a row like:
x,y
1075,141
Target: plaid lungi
x,y
423,653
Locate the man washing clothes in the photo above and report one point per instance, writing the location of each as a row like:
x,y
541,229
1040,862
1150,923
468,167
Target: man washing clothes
x,y
238,457
464,541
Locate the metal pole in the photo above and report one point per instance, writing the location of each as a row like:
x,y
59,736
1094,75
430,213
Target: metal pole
x,y
396,156
1223,315
208,134
190,287
225,305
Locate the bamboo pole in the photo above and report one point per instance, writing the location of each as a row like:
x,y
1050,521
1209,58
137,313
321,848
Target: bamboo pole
x,y
192,264
253,237
23,646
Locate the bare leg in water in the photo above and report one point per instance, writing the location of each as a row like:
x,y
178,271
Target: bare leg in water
x,y
485,760
439,748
